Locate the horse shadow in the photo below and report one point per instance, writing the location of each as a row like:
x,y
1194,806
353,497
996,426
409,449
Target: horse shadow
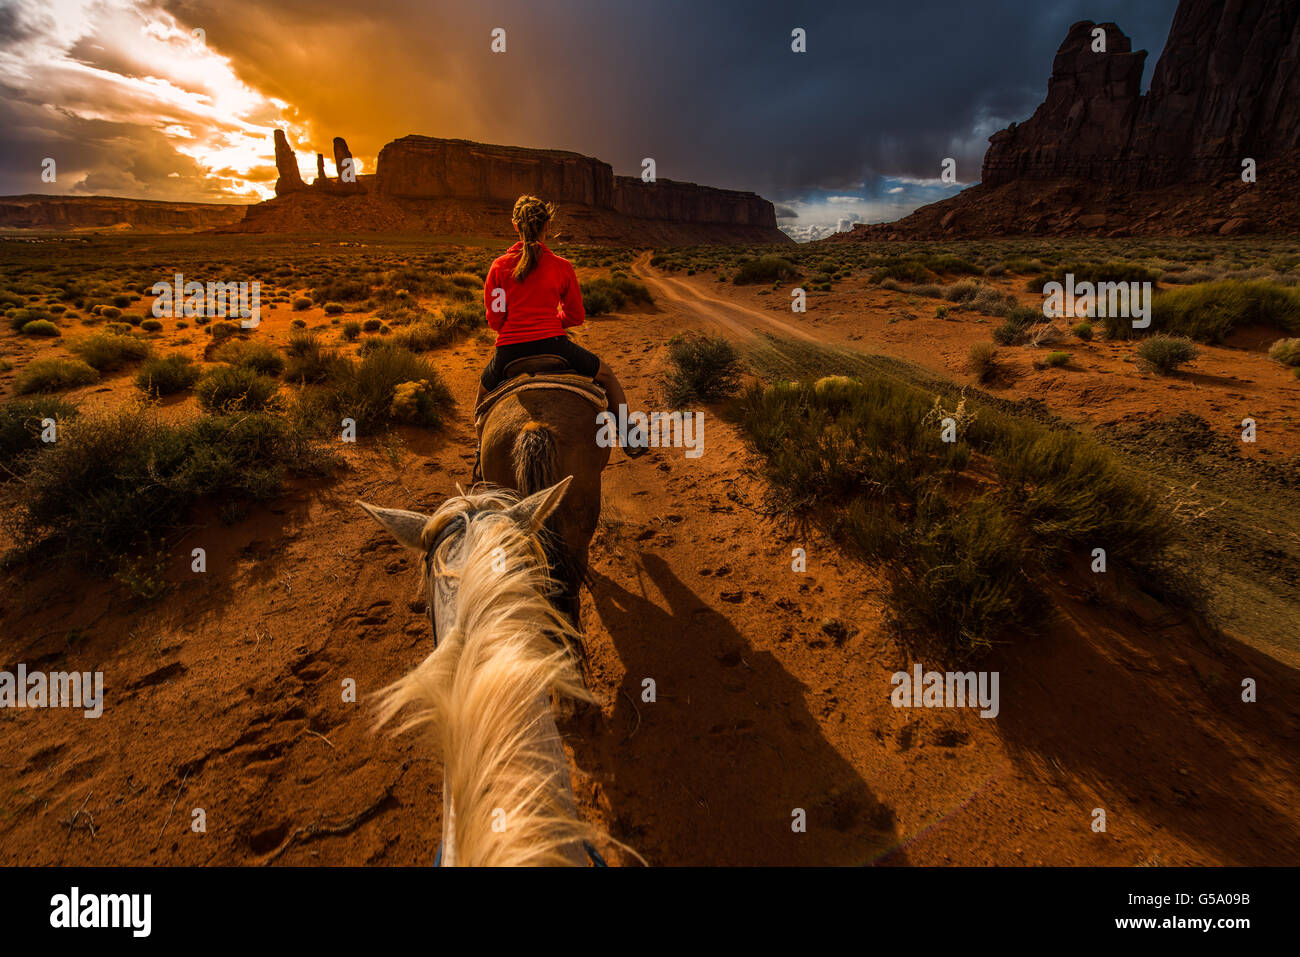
x,y
717,768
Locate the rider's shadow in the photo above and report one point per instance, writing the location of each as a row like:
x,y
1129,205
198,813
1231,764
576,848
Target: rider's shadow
x,y
717,769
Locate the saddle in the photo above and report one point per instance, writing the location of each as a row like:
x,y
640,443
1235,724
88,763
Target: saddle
x,y
540,372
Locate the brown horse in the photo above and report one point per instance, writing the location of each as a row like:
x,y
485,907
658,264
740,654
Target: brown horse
x,y
530,440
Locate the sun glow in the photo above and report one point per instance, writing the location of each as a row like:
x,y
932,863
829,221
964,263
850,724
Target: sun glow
x,y
130,71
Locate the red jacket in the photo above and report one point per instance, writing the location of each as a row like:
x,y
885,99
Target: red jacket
x,y
546,303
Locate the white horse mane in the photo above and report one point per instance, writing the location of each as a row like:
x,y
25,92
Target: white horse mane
x,y
482,693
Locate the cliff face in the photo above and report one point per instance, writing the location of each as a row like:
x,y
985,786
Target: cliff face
x,y
1227,87
1086,121
422,167
74,213
689,203
457,186
1098,157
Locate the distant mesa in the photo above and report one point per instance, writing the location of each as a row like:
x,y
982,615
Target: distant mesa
x,y
441,186
100,214
1099,157
422,183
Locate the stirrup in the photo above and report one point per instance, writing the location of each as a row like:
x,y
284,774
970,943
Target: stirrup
x,y
477,475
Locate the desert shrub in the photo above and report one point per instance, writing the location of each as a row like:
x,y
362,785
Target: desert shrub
x,y
631,290
21,317
1285,351
371,325
389,385
258,356
301,303
963,291
151,325
764,269
20,429
701,369
947,264
417,337
310,359
121,300
111,312
928,289
54,375
599,300
457,321
351,330
1082,330
115,479
341,290
1093,273
1015,328
602,296
166,376
230,389
981,360
109,350
41,327
298,324
333,308
1165,354
901,270
1057,358
865,459
1210,311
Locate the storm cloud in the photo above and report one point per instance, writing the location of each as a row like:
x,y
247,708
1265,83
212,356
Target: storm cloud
x,y
132,101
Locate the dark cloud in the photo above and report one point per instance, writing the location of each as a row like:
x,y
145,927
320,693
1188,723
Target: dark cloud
x,y
711,91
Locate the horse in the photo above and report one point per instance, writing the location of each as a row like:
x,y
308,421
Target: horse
x,y
507,794
531,437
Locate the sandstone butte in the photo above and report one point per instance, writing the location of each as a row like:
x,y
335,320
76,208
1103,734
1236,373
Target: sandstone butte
x,y
1099,157
441,186
458,187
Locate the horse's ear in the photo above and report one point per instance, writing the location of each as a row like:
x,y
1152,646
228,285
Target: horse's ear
x,y
406,527
532,511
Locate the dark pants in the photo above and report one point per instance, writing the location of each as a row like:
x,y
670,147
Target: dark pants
x,y
583,362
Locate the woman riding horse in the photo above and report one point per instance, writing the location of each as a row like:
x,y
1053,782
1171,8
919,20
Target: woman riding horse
x,y
532,296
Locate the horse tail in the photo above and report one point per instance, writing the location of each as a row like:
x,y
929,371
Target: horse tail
x,y
536,462
535,459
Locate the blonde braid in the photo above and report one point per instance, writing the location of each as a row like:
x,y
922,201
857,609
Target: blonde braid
x,y
530,216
